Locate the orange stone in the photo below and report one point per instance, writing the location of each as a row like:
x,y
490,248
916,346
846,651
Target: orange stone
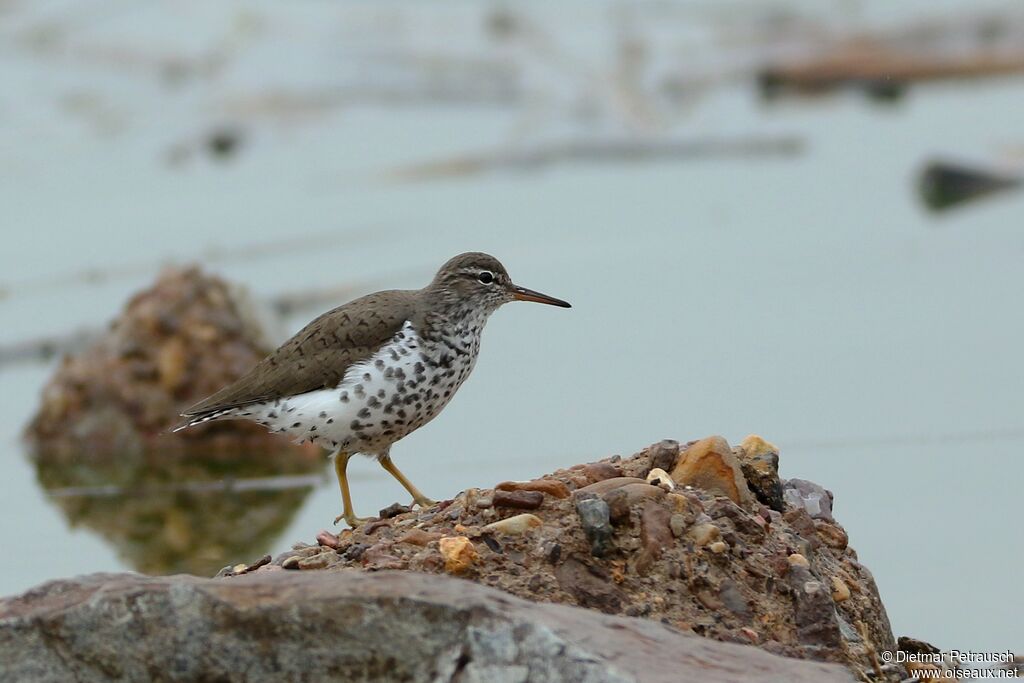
x,y
709,464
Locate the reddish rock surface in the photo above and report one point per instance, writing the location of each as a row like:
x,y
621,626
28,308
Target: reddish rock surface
x,y
691,558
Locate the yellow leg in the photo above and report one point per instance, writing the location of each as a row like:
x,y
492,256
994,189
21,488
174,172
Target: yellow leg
x,y
340,465
421,500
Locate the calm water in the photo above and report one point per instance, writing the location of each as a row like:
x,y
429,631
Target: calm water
x,y
809,299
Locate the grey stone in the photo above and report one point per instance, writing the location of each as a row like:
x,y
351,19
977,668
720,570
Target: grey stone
x,y
595,518
320,626
813,498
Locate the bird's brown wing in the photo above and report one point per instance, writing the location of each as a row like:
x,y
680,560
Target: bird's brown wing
x,y
319,354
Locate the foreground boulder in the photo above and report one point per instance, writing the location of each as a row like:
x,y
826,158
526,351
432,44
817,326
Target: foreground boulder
x,y
678,535
350,626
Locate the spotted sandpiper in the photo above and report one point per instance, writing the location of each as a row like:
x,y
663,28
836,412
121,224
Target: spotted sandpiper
x,y
362,376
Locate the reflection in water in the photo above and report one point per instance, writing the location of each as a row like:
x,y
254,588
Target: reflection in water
x,y
168,513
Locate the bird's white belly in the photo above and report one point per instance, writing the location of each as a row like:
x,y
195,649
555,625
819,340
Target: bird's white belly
x,y
379,401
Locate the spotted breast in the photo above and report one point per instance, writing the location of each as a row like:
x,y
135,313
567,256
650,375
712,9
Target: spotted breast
x,y
404,385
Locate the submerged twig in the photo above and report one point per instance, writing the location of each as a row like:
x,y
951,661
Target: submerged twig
x,y
602,151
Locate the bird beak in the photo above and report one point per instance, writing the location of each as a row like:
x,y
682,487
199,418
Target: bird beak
x,y
524,294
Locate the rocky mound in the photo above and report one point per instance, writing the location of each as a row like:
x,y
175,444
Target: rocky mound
x,y
178,341
390,626
705,538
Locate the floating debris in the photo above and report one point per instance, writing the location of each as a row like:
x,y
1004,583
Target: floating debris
x,y
943,185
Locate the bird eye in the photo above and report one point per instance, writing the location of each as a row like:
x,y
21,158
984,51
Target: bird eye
x,y
486,277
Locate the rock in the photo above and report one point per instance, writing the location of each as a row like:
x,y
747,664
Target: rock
x,y
394,510
840,591
709,464
816,620
550,487
679,503
521,500
655,532
606,485
703,534
178,341
798,560
379,556
660,478
291,563
418,537
831,535
318,561
618,504
588,585
369,528
759,462
806,495
327,539
599,471
632,494
732,597
689,558
755,446
677,523
458,553
317,626
664,454
516,525
595,518
803,525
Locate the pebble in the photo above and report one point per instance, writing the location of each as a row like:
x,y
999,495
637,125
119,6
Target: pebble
x,y
326,538
378,556
458,553
813,498
521,500
291,563
754,446
709,464
618,505
394,510
840,591
606,485
655,532
732,597
418,537
798,560
679,502
718,547
318,561
595,518
599,471
677,523
371,527
635,493
761,471
831,535
659,477
551,487
664,454
519,524
704,533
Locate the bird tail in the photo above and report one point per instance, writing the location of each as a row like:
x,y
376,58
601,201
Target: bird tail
x,y
193,420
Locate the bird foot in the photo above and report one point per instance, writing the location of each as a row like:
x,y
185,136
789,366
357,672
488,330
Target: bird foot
x,y
352,520
425,503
